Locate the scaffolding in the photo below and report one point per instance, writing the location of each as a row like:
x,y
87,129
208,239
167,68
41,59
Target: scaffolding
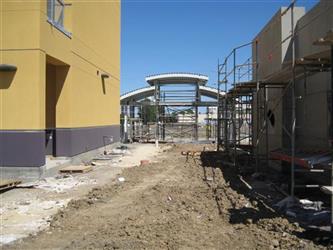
x,y
253,94
234,124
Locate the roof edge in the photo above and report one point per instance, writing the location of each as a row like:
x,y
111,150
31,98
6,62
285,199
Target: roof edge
x,y
164,76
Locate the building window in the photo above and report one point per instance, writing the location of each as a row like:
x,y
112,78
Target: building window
x,y
56,13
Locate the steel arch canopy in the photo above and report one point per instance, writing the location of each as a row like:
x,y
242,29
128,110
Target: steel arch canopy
x,y
174,78
142,93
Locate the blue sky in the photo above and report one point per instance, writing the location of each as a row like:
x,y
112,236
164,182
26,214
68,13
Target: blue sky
x,y
187,36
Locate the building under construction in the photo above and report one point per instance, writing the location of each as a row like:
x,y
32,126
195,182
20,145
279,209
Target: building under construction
x,y
169,109
274,101
286,83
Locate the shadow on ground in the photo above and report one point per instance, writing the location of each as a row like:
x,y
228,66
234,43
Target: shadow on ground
x,y
247,215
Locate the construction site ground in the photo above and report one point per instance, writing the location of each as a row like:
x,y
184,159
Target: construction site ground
x,y
174,202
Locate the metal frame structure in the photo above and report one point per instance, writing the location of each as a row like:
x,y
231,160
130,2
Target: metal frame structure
x,y
186,98
176,99
255,90
235,109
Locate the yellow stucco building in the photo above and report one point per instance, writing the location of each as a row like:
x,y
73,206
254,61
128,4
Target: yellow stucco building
x,y
59,78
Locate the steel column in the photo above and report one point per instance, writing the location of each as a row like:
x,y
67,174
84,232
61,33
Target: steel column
x,y
332,138
266,124
218,138
258,110
157,100
293,115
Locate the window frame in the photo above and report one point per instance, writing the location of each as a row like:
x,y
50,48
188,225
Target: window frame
x,y
51,4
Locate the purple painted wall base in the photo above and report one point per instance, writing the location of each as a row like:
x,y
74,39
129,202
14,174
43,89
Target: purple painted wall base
x,y
74,141
21,148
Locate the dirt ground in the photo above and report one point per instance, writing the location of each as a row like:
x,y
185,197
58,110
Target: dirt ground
x,y
28,209
170,204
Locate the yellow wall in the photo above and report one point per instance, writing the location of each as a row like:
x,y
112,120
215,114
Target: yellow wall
x,y
22,93
20,27
96,41
29,41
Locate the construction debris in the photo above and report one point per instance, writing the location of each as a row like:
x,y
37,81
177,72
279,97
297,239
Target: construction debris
x,y
28,208
309,213
96,163
327,189
76,169
144,162
191,153
121,179
60,184
8,184
102,158
245,183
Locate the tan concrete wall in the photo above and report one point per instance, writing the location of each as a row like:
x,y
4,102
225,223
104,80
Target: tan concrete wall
x,y
273,52
314,25
269,51
275,104
313,112
273,42
313,116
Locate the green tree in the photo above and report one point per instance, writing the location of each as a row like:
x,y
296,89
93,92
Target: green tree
x,y
148,113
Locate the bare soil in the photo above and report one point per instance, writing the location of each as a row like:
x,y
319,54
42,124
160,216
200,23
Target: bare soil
x,y
170,204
